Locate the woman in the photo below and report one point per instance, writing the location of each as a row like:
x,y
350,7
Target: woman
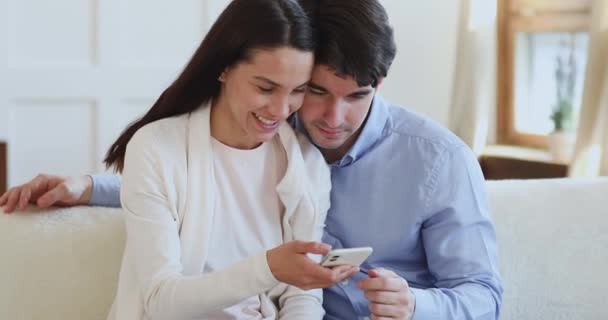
x,y
213,178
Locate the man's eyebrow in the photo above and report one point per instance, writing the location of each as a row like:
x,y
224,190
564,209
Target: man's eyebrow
x,y
362,92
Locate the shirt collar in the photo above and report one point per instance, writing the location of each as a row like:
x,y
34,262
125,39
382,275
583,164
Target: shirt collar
x,y
372,131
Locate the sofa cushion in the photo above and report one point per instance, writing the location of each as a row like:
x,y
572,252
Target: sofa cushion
x,y
552,237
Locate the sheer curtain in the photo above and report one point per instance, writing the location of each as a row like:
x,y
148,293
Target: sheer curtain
x,y
474,88
591,151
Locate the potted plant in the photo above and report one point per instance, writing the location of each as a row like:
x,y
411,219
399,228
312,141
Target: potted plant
x,y
562,139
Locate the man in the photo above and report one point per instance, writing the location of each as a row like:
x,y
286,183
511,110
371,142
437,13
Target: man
x,y
401,184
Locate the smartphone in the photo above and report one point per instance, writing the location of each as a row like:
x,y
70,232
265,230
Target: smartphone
x,y
350,256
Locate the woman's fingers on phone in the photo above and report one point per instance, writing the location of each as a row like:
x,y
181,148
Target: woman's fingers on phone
x,y
351,272
332,276
343,268
344,272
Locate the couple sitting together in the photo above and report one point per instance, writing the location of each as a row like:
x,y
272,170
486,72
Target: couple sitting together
x,y
272,147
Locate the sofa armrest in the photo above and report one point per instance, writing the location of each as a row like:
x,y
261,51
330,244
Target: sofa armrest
x,y
60,263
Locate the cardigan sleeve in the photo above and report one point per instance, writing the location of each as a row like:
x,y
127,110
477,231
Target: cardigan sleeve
x,y
153,241
296,303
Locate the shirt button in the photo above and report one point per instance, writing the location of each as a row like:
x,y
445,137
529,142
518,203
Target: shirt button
x,y
345,282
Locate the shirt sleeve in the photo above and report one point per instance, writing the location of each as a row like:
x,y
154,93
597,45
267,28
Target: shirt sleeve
x,y
460,243
153,245
106,191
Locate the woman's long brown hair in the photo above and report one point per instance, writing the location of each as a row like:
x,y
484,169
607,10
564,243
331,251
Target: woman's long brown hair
x,y
243,26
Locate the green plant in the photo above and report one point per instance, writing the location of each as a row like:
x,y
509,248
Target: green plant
x,y
565,80
562,116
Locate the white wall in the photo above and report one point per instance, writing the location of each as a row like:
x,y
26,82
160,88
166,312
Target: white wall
x,y
421,76
74,73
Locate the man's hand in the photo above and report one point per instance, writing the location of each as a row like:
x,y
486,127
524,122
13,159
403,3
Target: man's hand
x,y
388,294
47,190
289,264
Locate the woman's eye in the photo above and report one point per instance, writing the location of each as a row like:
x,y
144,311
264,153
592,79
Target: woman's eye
x,y
265,90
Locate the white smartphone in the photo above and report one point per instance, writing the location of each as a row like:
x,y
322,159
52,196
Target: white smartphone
x,y
350,256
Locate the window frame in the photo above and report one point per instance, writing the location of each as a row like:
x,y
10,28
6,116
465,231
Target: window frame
x,y
528,16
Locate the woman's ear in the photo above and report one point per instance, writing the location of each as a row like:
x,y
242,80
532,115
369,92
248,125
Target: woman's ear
x,y
222,76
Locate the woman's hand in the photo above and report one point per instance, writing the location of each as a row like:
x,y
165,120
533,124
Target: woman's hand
x,y
290,264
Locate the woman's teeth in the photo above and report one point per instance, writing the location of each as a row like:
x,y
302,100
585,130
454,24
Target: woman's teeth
x,y
265,121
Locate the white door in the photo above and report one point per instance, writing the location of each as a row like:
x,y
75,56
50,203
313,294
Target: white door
x,y
74,73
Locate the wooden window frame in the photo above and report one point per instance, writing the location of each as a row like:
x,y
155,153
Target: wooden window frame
x,y
528,16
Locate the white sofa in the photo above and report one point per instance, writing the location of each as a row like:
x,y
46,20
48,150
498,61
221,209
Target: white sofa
x,y
552,234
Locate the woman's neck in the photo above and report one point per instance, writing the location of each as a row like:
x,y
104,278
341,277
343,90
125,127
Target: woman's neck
x,y
225,129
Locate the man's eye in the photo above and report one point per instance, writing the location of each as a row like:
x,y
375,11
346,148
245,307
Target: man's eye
x,y
315,91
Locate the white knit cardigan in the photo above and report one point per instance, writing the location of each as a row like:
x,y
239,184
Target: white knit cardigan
x,y
168,197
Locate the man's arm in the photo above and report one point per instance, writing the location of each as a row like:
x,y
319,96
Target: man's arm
x,y
105,191
460,244
47,190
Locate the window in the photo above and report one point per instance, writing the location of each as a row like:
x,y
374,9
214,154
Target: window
x,y
542,53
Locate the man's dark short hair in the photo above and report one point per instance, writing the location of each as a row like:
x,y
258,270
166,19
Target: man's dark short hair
x,y
354,38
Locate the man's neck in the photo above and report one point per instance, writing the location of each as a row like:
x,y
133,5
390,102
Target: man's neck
x,y
333,155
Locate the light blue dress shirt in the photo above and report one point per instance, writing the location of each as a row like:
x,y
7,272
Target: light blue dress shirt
x,y
415,193
106,191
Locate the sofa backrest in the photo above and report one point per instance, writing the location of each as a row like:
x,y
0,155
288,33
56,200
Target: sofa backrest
x,y
553,247
552,236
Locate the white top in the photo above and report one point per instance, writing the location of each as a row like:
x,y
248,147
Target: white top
x,y
248,212
168,196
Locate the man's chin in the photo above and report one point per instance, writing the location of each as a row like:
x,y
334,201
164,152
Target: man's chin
x,y
327,145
